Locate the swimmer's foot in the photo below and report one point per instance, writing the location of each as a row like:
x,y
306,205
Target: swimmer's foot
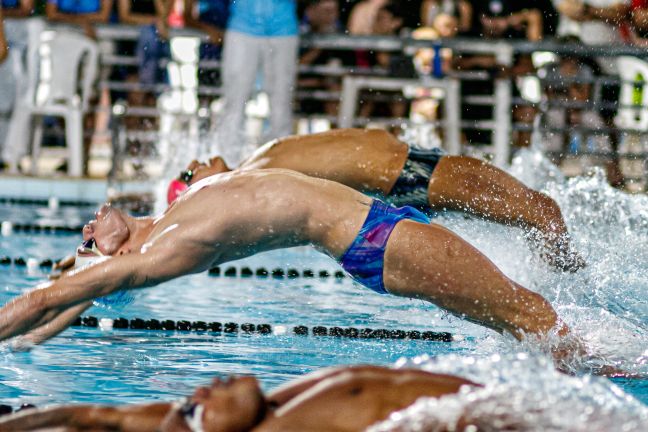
x,y
557,251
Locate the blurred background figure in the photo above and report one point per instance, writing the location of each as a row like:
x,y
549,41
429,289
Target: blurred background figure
x,y
576,135
16,33
436,14
595,22
3,41
363,16
209,16
321,17
508,19
82,13
151,45
638,30
388,22
261,36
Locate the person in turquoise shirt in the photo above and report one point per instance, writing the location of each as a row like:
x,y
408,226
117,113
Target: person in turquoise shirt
x,y
261,36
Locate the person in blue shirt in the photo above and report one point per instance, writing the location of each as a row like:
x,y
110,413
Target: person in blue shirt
x,y
84,13
261,36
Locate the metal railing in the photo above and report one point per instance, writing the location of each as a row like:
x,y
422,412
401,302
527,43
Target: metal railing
x,y
500,126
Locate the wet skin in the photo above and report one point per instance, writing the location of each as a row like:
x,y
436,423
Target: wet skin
x,y
371,161
343,399
234,215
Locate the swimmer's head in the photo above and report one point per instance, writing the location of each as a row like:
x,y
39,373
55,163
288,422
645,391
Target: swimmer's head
x,y
235,404
109,230
195,172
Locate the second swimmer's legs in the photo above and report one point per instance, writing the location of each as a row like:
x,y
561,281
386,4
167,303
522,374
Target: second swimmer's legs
x,y
468,184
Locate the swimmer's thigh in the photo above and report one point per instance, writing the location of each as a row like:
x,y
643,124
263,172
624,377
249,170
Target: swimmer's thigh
x,y
434,264
468,184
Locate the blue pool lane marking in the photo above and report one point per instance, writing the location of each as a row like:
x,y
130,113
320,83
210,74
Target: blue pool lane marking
x,y
262,329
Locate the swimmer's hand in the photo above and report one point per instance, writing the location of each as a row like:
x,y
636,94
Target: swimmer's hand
x,y
566,260
572,356
557,251
21,344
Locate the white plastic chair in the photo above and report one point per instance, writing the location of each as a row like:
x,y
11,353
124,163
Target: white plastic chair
x,y
62,59
21,34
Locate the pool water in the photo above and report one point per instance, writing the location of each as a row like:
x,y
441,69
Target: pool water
x,y
116,366
606,304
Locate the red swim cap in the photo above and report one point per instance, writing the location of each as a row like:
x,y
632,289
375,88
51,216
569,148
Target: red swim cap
x,y
176,188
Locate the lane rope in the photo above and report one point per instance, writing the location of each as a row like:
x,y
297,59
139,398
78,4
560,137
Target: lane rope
x,y
261,329
226,272
49,202
7,228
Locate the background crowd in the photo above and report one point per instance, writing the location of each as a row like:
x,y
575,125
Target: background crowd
x,y
255,44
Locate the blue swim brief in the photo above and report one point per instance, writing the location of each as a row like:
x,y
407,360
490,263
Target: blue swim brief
x,y
364,258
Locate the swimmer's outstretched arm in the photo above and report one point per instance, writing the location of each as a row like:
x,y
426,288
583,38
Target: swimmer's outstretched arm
x,y
138,418
48,301
51,329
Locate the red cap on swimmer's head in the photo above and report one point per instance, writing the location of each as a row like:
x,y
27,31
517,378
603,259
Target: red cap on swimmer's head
x,y
176,188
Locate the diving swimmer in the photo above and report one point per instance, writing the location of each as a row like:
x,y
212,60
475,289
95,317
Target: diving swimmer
x,y
341,399
234,215
377,163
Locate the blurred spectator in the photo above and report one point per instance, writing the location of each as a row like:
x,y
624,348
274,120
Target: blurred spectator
x,y
153,40
525,84
436,13
262,36
594,22
83,13
508,19
211,17
639,16
12,76
151,46
573,125
321,17
17,8
3,41
388,22
363,16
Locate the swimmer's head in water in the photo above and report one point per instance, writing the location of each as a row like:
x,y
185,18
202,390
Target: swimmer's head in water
x,y
235,404
109,230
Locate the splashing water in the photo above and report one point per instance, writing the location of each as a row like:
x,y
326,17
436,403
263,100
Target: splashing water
x,y
606,303
521,393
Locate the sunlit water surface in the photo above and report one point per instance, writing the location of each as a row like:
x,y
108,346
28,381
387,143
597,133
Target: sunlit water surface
x,y
605,304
